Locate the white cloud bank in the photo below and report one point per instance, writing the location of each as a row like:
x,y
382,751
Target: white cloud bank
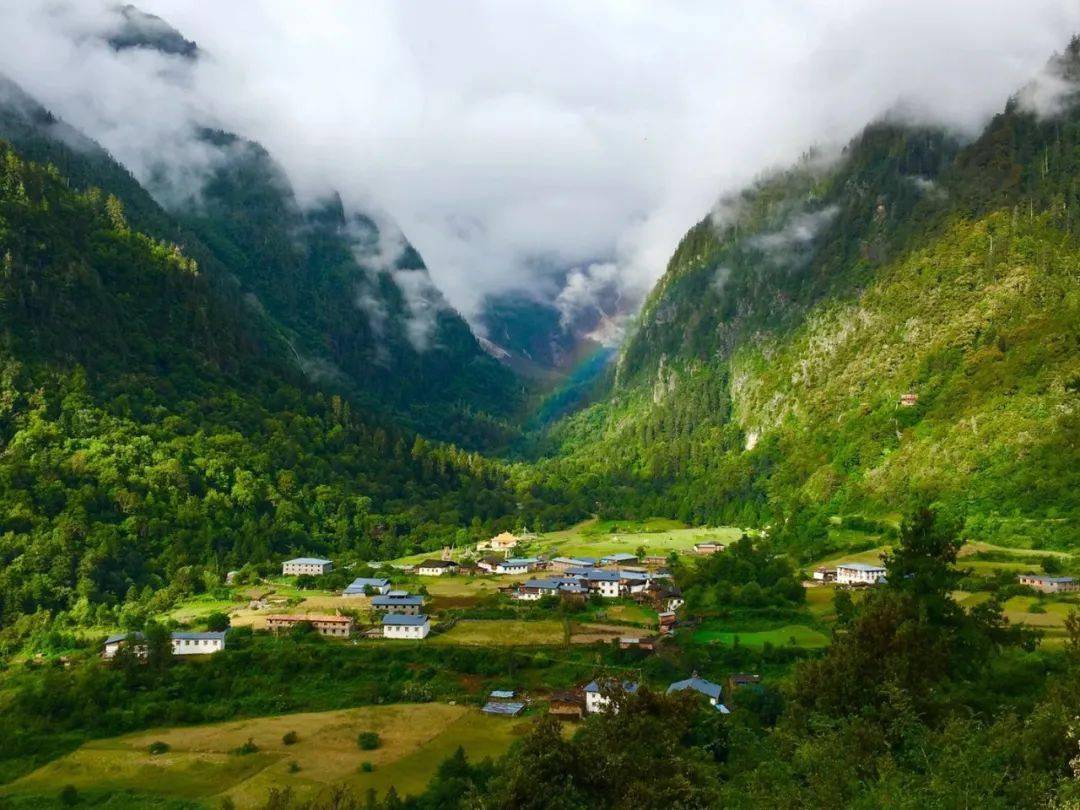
x,y
506,136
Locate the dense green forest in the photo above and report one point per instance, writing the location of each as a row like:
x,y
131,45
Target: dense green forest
x,y
147,439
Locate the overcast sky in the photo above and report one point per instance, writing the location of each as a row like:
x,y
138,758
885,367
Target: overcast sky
x,y
505,137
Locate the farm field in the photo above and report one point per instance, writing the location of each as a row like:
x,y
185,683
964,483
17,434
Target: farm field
x,y
803,636
200,766
502,633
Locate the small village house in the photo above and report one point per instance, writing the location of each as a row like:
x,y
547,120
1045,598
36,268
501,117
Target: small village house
x,y
856,573
436,568
647,643
666,620
654,560
334,626
396,625
312,566
115,642
606,583
909,400
621,558
1049,584
710,690
399,602
198,643
566,705
597,701
824,574
563,564
504,702
364,586
707,547
183,643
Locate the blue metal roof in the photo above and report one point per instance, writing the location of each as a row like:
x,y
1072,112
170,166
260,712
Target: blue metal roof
x,y
399,619
603,576
310,561
208,636
551,584
698,685
358,584
502,694
510,709
387,600
622,556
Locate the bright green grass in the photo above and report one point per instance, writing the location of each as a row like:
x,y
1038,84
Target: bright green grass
x,y
803,636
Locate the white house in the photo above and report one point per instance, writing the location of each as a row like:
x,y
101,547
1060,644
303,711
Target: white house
x,y
859,574
182,643
707,688
436,568
606,583
198,643
824,574
1048,584
535,589
362,585
597,701
516,565
397,625
306,565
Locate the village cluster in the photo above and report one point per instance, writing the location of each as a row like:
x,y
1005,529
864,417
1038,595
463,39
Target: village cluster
x,y
401,614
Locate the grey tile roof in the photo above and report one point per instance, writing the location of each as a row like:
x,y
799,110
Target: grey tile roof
x,y
404,621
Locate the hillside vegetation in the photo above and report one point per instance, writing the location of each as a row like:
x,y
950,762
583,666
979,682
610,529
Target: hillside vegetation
x,y
765,377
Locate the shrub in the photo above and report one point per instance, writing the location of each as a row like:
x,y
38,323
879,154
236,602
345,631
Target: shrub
x,y
69,795
247,748
290,738
217,621
367,740
294,767
367,767
158,747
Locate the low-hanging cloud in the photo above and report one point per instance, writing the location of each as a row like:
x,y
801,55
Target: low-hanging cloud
x,y
498,132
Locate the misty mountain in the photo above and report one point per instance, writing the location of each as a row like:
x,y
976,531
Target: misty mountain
x,y
851,334
347,298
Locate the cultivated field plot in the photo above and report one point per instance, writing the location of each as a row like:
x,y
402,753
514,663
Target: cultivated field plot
x,y
199,766
798,634
503,633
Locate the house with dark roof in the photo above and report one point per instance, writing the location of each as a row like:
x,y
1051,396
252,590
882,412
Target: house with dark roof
x,y
436,568
710,690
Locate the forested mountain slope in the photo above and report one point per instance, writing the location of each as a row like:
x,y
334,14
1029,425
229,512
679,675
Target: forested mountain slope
x,y
767,371
145,437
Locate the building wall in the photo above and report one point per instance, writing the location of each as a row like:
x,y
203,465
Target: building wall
x,y
296,569
200,646
406,631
